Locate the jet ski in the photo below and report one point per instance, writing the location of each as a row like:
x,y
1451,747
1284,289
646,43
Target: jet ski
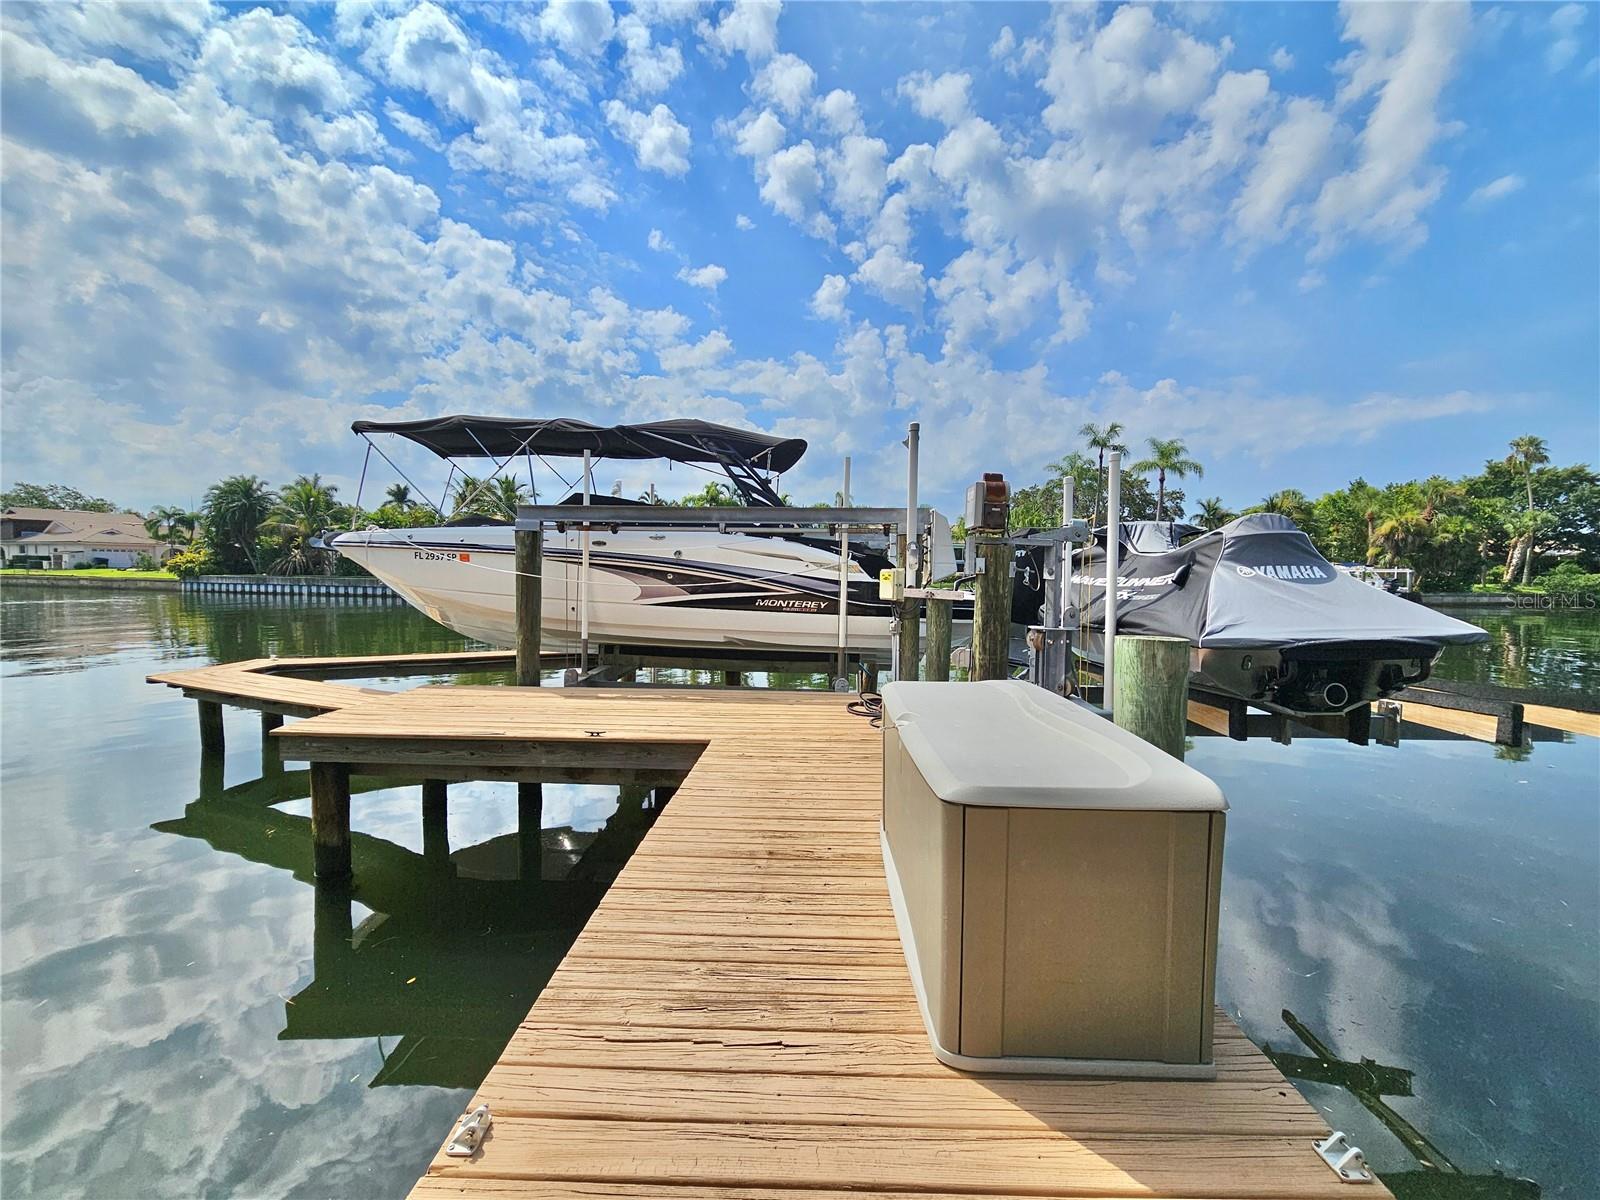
x,y
1271,620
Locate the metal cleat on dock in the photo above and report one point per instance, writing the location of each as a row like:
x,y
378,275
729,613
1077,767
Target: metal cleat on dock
x,y
469,1131
1346,1161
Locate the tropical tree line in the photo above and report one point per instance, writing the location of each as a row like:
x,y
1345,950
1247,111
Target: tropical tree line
x,y
1517,522
245,526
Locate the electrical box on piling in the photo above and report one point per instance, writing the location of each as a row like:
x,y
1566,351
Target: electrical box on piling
x,y
989,504
1055,881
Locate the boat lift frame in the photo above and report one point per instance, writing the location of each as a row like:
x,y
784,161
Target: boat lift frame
x,y
833,519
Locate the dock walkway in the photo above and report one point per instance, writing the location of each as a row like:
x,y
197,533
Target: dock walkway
x,y
737,1019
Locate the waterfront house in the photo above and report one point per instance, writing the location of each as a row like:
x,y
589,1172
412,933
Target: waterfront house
x,y
59,538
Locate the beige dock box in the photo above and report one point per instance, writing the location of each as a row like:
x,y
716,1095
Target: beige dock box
x,y
1055,881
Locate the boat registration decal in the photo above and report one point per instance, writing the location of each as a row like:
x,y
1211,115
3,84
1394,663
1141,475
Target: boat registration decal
x,y
441,556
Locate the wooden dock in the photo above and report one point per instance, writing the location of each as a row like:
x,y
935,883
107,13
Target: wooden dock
x,y
736,1019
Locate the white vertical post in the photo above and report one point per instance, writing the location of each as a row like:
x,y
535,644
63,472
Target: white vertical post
x,y
583,572
1113,554
1068,496
844,576
913,563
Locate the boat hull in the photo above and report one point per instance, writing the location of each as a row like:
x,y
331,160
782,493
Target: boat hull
x,y
681,588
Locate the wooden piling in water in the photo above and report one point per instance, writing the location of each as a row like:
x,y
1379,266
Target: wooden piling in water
x,y
1152,690
330,820
940,612
435,821
211,736
271,763
991,609
530,603
910,618
530,829
733,679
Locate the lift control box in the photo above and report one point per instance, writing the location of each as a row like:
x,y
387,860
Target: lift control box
x,y
989,504
892,584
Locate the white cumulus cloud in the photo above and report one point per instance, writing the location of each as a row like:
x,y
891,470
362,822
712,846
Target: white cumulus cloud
x,y
710,277
944,99
660,141
827,303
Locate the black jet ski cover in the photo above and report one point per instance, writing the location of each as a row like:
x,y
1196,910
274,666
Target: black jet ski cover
x,y
1257,581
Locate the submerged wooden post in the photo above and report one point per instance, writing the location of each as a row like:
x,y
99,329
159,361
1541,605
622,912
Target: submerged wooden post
x,y
1152,689
530,603
530,830
435,821
211,736
991,610
331,931
939,614
271,762
330,820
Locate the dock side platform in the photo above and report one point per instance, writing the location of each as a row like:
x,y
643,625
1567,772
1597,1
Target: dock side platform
x,y
737,1019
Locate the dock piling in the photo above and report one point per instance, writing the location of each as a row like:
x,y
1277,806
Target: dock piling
x,y
1152,689
530,603
330,820
212,739
940,611
991,609
435,822
271,762
530,829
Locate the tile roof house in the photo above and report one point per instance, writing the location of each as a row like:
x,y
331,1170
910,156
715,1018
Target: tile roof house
x,y
59,538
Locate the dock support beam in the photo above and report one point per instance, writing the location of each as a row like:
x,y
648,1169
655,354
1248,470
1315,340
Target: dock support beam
x,y
991,609
530,604
940,612
435,821
211,736
530,830
1152,690
330,820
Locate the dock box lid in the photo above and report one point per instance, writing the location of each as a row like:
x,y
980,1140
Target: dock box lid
x,y
1006,743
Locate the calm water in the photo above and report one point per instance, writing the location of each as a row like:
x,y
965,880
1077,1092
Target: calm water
x,y
179,1014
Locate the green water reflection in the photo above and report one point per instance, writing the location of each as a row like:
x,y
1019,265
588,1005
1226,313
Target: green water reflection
x,y
178,1002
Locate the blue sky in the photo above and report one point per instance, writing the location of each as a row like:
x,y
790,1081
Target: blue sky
x,y
1314,242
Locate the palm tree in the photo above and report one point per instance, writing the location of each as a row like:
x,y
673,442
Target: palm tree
x,y
1213,513
718,495
1167,456
305,509
1085,482
174,526
505,495
398,495
1101,438
233,512
1437,491
1400,537
1527,452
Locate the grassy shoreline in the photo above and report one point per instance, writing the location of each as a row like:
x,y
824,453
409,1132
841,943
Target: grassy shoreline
x,y
88,573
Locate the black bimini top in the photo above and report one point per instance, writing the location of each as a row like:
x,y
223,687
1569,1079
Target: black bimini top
x,y
564,437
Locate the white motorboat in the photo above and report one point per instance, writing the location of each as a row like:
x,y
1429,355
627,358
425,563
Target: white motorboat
x,y
655,585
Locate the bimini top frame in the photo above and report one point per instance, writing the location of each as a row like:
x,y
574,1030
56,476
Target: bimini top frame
x,y
742,454
622,516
